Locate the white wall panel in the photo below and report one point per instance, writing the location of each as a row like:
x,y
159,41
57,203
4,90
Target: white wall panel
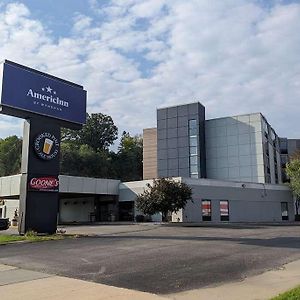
x,y
236,142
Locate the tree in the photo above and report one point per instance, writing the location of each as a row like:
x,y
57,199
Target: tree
x,y
99,132
293,171
10,155
129,159
165,195
82,160
86,152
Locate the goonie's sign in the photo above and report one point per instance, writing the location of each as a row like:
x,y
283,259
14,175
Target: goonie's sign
x,y
26,90
44,184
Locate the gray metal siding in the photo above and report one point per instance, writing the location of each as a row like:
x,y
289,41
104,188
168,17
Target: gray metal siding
x,y
173,139
245,204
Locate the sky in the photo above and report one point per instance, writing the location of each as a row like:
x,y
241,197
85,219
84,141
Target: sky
x,y
132,56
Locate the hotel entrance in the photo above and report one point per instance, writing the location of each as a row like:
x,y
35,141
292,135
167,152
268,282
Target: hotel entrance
x,y
79,208
106,208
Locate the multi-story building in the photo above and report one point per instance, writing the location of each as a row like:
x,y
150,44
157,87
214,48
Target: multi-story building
x,y
239,148
232,165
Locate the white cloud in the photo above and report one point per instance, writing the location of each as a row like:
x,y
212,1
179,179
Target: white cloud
x,y
81,22
10,126
234,56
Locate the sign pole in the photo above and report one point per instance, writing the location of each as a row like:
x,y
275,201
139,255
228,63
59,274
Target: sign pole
x,y
39,191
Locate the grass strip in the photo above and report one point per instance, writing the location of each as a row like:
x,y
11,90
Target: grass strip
x,y
4,239
293,294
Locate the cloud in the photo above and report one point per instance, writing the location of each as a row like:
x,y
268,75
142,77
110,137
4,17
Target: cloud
x,y
10,126
81,23
234,56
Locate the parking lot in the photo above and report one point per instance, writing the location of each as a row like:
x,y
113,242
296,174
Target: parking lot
x,y
160,259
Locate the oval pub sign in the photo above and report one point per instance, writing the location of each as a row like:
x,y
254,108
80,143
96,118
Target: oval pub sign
x,y
46,146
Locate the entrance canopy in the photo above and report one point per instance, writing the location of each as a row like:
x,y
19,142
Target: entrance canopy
x,y
10,186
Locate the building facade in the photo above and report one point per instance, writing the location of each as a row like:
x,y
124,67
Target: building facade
x,y
238,148
181,141
226,201
242,148
81,199
88,200
288,147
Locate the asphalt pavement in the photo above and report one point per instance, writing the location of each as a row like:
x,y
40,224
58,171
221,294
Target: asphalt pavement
x,y
160,259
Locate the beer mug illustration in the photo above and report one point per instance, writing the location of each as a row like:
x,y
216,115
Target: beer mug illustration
x,y
47,146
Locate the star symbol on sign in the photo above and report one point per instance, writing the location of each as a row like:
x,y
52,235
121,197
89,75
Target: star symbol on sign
x,y
48,88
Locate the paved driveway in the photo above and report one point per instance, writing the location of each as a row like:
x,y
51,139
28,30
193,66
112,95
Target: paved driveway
x,y
161,259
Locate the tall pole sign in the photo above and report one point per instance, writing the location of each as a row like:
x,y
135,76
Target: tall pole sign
x,y
47,103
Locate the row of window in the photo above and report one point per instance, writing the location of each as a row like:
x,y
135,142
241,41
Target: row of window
x,y
224,210
272,138
267,164
270,134
206,210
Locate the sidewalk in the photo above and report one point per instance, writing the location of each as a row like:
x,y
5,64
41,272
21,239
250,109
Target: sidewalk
x,y
18,284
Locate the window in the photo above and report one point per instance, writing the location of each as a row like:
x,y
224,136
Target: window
x,y
193,141
194,169
224,210
275,159
266,129
193,123
284,211
274,139
193,150
283,146
267,151
273,135
193,160
192,127
193,131
206,210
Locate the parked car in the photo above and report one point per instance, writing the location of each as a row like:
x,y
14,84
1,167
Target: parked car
x,y
4,224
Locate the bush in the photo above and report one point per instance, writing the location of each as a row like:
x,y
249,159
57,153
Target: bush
x,y
31,233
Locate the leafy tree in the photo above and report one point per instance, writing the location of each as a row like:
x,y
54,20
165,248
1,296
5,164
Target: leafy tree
x,y
10,155
82,160
129,159
165,195
99,132
95,159
293,171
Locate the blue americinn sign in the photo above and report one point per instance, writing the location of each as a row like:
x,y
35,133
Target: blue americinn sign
x,y
26,90
47,103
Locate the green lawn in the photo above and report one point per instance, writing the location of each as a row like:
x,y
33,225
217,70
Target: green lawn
x,y
293,294
4,239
